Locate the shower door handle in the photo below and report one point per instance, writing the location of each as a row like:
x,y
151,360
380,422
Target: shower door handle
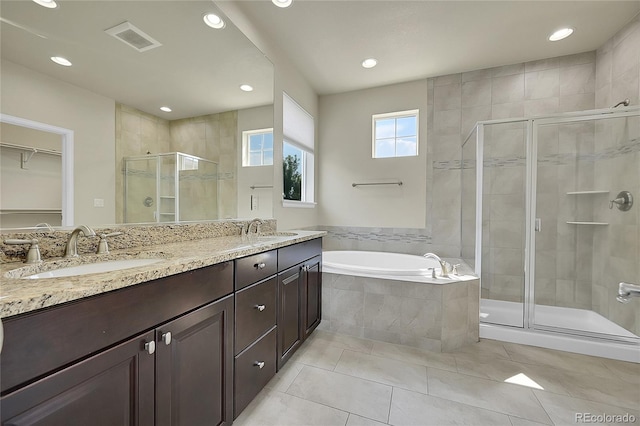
x,y
538,225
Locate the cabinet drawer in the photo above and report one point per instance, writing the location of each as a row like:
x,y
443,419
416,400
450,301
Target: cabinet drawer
x,y
298,253
250,377
255,268
255,312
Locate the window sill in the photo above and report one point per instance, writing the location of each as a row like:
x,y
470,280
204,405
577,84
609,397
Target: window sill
x,y
298,204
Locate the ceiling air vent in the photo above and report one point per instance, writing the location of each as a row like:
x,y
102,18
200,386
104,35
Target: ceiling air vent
x,y
133,36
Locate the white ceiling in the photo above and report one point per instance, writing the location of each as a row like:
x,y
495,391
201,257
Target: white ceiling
x,y
327,40
196,71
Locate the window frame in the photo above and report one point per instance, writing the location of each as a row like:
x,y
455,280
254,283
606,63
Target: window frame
x,y
307,177
299,132
246,147
413,113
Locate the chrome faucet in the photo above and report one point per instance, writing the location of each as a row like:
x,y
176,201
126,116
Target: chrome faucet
x,y
444,266
626,291
257,223
71,249
33,253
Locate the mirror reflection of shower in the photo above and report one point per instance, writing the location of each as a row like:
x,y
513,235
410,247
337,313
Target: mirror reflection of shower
x,y
185,187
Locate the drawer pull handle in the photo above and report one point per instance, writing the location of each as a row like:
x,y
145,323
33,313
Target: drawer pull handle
x,y
150,347
260,265
166,338
259,364
261,307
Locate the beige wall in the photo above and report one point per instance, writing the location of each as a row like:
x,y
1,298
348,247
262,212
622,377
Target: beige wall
x,y
253,119
287,79
34,96
345,158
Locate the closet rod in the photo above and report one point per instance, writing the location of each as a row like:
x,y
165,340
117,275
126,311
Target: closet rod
x,y
30,148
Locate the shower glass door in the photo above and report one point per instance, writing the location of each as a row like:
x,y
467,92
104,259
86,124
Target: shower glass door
x,y
503,227
583,246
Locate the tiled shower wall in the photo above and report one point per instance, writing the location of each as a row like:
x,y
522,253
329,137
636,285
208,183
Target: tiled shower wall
x,y
211,136
616,251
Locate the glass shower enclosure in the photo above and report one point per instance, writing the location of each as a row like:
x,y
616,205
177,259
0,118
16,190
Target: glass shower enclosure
x,y
170,187
549,225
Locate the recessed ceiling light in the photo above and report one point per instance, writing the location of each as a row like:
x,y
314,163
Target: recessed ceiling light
x,y
282,3
165,109
61,61
47,3
214,21
369,63
246,88
562,33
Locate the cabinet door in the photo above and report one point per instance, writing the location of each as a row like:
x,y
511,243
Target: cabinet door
x,y
114,387
194,367
312,294
289,313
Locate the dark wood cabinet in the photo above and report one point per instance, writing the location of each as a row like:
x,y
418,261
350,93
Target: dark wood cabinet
x,y
299,296
189,349
312,291
255,366
140,380
114,387
290,333
194,366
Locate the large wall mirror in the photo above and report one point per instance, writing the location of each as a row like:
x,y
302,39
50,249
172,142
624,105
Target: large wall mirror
x,y
129,59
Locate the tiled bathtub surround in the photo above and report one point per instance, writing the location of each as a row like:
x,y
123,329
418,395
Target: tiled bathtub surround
x,y
437,317
395,240
52,243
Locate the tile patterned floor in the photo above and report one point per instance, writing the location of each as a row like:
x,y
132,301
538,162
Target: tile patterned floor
x,y
341,380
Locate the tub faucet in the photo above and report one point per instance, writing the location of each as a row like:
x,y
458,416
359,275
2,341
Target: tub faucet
x,y
71,249
626,291
444,266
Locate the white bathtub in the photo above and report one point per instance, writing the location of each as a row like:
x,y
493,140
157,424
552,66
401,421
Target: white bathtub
x,y
378,264
393,298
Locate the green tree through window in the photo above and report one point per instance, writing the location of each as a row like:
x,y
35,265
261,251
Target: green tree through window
x,y
291,170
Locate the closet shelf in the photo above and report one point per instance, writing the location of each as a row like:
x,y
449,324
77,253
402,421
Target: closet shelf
x,y
587,192
589,223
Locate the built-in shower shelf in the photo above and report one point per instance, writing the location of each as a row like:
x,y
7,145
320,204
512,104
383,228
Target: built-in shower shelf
x,y
169,197
589,223
587,192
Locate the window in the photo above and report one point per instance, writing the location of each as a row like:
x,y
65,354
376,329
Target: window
x,y
297,155
395,134
257,148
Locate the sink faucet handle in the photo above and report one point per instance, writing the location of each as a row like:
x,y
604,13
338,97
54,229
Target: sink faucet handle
x,y
33,254
454,269
103,246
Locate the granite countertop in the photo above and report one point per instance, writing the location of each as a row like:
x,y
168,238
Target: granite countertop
x,y
18,296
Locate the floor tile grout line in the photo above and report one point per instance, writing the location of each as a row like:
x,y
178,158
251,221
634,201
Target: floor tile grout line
x,y
314,402
349,375
543,408
390,405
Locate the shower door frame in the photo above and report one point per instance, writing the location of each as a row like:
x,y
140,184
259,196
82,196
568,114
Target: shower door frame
x,y
531,157
530,223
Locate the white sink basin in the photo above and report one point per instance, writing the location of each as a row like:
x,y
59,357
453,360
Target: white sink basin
x,y
93,268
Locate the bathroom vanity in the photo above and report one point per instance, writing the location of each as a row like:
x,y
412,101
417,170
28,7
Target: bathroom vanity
x,y
192,347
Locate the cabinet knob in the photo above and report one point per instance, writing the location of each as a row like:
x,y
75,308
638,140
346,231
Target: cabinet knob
x,y
166,338
259,364
260,265
261,307
150,347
